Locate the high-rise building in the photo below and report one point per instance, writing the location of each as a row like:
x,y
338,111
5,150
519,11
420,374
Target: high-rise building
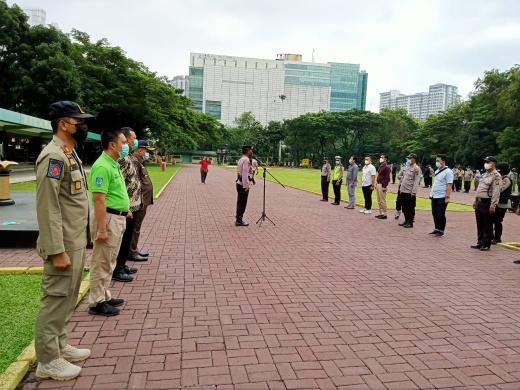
x,y
36,16
423,104
226,86
181,83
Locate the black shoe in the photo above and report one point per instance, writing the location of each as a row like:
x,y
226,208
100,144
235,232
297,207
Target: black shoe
x,y
138,258
477,246
130,270
324,200
408,225
143,254
484,248
381,216
335,204
103,309
241,223
404,223
516,262
434,232
122,276
116,302
494,242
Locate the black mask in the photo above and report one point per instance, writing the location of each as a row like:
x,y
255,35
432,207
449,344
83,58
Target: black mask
x,y
81,132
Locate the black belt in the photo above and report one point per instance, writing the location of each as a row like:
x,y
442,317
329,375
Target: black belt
x,y
117,212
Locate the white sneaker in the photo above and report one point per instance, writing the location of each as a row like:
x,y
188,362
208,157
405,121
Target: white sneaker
x,y
362,210
367,211
73,354
59,370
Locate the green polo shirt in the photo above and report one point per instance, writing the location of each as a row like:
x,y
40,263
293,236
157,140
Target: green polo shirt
x,y
106,177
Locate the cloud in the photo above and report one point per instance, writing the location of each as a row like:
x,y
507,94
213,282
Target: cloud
x,y
403,44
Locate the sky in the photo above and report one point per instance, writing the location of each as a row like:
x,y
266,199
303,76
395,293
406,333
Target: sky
x,y
402,44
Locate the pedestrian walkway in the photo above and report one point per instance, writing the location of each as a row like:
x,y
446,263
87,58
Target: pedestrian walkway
x,y
328,298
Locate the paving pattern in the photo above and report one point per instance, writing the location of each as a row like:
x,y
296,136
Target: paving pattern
x,y
328,298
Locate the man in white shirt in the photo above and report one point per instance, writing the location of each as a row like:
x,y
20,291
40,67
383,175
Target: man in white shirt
x,y
440,195
368,184
243,184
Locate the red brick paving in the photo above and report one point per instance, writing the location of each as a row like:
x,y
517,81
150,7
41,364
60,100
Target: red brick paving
x,y
328,298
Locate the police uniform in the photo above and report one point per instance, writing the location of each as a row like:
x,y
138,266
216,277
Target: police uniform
x,y
487,196
242,185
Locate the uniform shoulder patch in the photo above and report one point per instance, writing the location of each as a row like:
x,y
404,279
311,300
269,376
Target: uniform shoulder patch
x,y
99,181
55,169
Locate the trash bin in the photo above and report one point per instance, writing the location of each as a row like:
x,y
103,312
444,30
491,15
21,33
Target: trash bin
x,y
163,166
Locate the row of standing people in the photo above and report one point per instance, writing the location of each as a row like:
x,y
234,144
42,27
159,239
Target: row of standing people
x,y
491,202
121,190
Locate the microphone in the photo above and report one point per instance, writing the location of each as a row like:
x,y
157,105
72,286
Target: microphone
x,y
257,159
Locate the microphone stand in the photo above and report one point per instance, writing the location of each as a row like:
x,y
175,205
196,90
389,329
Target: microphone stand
x,y
264,216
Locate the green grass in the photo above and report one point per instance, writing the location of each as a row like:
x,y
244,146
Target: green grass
x,y
159,179
309,180
19,302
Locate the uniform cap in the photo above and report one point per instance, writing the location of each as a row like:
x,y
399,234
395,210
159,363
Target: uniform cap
x,y
67,109
142,143
490,158
412,155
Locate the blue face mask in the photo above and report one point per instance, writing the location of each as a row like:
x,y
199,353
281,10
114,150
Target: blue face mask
x,y
124,151
135,145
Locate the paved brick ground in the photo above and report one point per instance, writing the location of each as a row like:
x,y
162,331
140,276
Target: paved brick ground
x,y
328,298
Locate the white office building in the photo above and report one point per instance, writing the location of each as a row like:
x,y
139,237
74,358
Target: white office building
x,y
423,104
227,86
36,16
181,83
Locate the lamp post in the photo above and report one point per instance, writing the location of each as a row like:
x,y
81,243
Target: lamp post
x,y
282,98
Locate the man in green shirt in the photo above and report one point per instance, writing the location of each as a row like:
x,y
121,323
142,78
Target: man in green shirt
x,y
111,208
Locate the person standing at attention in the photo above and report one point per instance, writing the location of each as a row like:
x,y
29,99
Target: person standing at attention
x,y
440,195
408,189
352,179
383,179
325,180
337,180
368,184
242,184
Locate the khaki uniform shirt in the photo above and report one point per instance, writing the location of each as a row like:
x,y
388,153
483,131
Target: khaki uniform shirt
x,y
489,187
146,182
62,204
243,171
409,183
468,175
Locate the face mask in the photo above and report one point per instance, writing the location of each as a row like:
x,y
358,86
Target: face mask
x,y
367,162
408,162
146,156
81,133
487,166
135,145
437,164
337,162
124,151
351,161
381,160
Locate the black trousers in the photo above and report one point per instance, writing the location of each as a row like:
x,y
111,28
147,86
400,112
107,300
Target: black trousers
x,y
439,213
242,195
337,190
398,203
408,205
467,186
484,222
394,174
367,194
428,182
458,184
325,187
124,250
203,175
498,217
138,221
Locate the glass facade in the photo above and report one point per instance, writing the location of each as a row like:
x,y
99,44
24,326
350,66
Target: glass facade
x,y
306,74
344,87
214,108
196,86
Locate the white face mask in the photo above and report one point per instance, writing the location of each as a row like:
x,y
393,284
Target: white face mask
x,y
338,162
381,160
367,162
146,156
351,161
487,166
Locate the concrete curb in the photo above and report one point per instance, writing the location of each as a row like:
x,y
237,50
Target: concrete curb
x,y
166,184
14,374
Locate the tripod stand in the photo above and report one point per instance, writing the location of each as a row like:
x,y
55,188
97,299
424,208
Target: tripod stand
x,y
264,216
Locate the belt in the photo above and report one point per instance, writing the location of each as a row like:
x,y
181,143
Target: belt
x,y
117,212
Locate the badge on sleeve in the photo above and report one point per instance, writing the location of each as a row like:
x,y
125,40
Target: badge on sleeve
x,y
55,169
99,181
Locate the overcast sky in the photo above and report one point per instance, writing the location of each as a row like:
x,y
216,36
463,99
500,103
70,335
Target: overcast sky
x,y
402,44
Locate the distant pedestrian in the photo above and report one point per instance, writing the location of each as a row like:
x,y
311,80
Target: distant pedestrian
x,y
428,174
395,170
325,180
440,194
477,178
368,184
254,169
408,189
468,178
204,167
398,204
337,180
459,177
485,204
352,180
383,179
504,202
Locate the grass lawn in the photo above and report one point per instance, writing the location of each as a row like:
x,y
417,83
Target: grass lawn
x,y
159,179
309,180
18,306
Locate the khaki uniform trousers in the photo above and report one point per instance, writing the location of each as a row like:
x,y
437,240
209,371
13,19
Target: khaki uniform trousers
x,y
59,297
104,256
381,198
